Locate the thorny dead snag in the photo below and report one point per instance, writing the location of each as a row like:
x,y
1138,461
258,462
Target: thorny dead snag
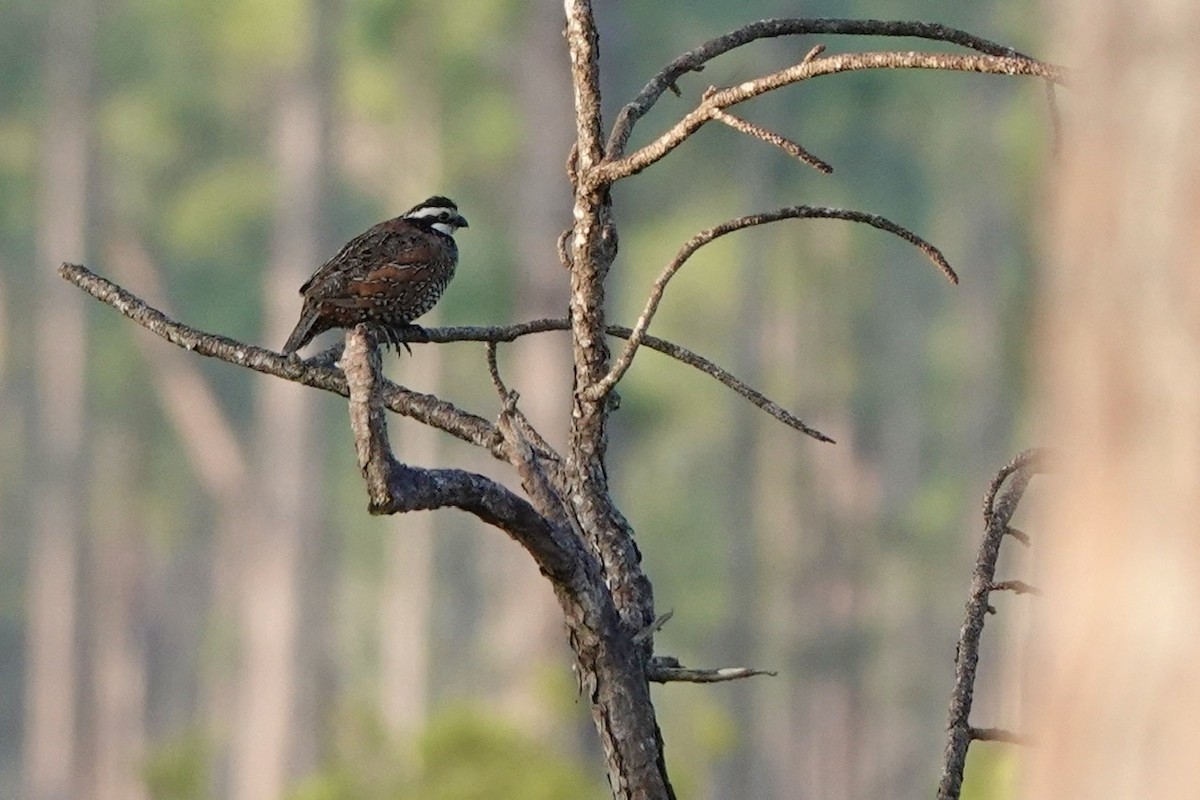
x,y
567,520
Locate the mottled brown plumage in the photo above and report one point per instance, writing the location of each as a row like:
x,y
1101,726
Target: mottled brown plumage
x,y
387,276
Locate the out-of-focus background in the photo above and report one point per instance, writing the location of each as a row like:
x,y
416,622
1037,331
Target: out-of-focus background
x,y
194,602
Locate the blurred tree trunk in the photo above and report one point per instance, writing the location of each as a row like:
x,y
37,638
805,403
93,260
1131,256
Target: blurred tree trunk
x,y
51,701
1115,682
745,771
117,729
523,627
217,457
277,721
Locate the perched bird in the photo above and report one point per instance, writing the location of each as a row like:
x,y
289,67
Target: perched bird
x,y
387,276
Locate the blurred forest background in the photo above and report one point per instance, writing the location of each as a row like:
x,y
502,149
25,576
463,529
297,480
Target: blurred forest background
x,y
194,602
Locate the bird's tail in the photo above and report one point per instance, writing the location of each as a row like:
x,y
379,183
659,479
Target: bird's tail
x,y
304,331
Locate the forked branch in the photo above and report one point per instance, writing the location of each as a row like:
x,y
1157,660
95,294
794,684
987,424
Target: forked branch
x,y
638,335
394,487
695,59
715,101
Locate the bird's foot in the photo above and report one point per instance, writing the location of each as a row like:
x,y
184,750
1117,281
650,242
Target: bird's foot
x,y
400,335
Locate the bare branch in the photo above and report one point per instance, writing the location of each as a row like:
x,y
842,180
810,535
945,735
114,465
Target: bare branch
x,y
694,60
1020,535
508,333
654,627
997,514
614,169
709,368
320,371
997,735
770,137
1016,587
424,408
494,372
663,669
1034,460
395,488
622,363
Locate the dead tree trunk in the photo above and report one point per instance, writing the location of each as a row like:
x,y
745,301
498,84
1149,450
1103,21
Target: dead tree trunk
x,y
565,517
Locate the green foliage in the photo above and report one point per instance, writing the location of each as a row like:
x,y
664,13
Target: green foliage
x,y
463,754
991,772
179,769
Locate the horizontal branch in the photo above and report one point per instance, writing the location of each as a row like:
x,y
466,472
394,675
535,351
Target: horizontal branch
x,y
663,669
625,359
614,169
997,735
695,59
321,372
424,408
1016,587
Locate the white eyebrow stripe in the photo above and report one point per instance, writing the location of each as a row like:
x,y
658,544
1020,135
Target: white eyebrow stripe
x,y
430,211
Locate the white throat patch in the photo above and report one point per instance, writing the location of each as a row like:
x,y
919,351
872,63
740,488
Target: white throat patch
x,y
443,227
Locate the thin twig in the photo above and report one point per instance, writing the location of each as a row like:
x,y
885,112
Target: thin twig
x,y
770,137
614,169
654,627
1016,587
756,397
998,510
1034,459
625,359
508,333
1020,535
494,372
662,669
997,735
695,59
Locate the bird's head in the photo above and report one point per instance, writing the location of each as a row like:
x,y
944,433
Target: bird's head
x,y
437,213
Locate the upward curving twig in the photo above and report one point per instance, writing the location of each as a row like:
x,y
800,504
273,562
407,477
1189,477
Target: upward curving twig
x,y
695,59
613,169
622,363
